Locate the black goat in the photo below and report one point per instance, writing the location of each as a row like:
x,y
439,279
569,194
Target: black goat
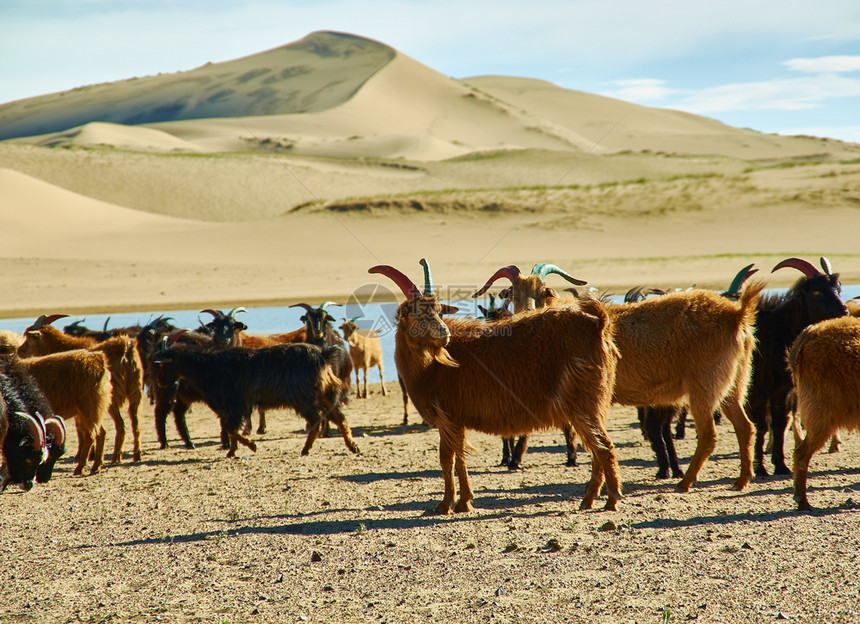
x,y
780,319
321,333
22,429
233,381
174,394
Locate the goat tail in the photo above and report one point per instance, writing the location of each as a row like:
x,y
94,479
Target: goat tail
x,y
749,300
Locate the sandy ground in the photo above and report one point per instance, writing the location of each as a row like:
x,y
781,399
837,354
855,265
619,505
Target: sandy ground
x,y
190,536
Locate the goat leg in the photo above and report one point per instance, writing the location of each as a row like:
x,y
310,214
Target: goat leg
x,y
517,453
813,442
778,422
570,443
340,422
180,409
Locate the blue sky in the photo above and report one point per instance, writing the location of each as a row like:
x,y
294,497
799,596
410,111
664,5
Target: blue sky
x,y
783,66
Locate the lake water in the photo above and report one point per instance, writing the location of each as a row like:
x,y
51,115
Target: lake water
x,y
270,320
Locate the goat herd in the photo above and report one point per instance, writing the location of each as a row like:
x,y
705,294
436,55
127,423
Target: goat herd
x,y
556,361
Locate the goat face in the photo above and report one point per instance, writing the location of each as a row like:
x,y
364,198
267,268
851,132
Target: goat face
x,y
23,451
820,296
316,320
421,322
34,344
347,328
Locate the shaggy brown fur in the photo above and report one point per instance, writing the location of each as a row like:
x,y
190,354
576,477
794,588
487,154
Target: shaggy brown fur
x,y
77,384
545,369
694,344
126,370
824,361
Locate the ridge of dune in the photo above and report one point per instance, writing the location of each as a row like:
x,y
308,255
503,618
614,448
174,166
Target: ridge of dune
x,y
406,110
105,134
317,72
619,125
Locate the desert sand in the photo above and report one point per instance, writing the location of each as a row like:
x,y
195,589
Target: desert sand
x,y
284,176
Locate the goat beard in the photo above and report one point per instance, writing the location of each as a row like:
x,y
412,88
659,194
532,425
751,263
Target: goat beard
x,y
444,358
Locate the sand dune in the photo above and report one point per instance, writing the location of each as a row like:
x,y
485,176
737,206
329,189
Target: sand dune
x,y
384,160
315,73
34,211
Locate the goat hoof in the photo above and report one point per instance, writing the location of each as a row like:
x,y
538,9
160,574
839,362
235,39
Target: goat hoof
x,y
802,503
664,474
761,471
443,509
571,463
677,474
586,504
683,487
261,431
781,469
136,457
514,466
610,505
463,507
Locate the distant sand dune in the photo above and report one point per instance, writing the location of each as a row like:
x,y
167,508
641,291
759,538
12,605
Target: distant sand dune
x,y
284,175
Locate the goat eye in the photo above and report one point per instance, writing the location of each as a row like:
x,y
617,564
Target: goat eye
x,y
25,441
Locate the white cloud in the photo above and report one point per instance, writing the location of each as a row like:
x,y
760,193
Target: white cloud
x,y
824,64
785,94
641,90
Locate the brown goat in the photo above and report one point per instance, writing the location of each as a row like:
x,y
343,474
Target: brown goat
x,y
824,361
77,384
695,344
125,365
365,351
530,292
506,381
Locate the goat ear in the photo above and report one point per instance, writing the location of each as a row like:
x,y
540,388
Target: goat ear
x,y
448,309
303,318
482,309
239,326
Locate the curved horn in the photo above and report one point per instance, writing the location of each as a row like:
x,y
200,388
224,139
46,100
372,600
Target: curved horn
x,y
326,304
543,269
236,311
428,279
57,427
634,294
825,264
306,307
797,263
170,341
407,286
492,301
215,314
742,276
35,428
45,320
107,320
511,272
